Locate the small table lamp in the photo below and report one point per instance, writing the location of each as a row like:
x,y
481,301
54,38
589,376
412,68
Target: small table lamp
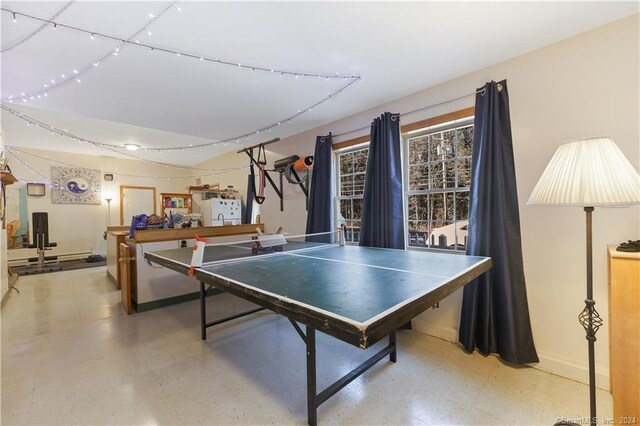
x,y
588,173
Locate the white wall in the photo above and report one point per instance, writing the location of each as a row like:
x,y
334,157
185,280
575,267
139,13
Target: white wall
x,y
78,228
4,278
583,86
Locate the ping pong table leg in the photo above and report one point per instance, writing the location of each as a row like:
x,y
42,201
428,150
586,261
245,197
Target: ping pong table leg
x,y
312,406
393,357
203,313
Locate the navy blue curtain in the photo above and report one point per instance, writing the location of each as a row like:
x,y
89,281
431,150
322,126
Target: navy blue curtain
x,y
320,215
248,211
495,313
382,219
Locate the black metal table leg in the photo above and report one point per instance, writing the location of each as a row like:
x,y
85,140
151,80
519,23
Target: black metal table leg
x,y
312,406
393,356
203,314
314,400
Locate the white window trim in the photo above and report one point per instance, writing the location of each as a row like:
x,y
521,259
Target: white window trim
x,y
405,177
336,181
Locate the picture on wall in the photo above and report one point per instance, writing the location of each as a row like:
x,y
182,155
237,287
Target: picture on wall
x,y
75,185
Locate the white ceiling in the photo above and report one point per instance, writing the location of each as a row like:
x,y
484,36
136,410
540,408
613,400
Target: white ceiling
x,y
158,99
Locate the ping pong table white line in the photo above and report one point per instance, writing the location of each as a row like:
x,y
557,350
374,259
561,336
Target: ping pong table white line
x,y
240,259
295,253
275,253
368,265
358,324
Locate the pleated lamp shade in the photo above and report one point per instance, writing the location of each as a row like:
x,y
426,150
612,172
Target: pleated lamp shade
x,y
588,172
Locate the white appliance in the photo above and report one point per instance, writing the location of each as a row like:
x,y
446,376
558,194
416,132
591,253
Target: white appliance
x,y
217,212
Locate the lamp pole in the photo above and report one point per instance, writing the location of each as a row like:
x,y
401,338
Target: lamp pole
x,y
590,319
108,200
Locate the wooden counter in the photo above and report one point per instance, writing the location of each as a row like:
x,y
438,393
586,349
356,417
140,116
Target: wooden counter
x,y
171,234
149,287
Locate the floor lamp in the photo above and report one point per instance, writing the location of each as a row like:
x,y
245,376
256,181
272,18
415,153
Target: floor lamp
x,y
108,199
588,173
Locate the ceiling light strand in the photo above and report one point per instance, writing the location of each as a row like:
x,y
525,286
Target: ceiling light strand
x,y
119,149
40,28
112,148
77,72
12,151
217,60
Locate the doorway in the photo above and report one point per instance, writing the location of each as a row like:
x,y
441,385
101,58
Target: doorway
x,y
136,200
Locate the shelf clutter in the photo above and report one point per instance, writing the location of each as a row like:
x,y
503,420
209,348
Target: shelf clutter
x,y
214,191
175,206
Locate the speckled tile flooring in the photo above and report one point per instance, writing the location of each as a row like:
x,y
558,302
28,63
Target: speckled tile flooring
x,y
71,356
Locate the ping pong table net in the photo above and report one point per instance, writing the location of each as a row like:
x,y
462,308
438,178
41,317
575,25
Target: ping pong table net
x,y
207,253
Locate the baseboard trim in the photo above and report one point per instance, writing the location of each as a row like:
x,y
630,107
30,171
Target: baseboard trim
x,y
445,333
12,281
560,367
5,298
571,370
112,279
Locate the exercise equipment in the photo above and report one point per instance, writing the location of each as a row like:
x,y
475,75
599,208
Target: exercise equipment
x,y
293,167
42,263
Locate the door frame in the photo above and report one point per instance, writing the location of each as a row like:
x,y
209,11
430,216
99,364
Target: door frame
x,y
123,187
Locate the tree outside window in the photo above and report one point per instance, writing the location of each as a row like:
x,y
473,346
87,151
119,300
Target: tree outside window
x,y
352,166
438,179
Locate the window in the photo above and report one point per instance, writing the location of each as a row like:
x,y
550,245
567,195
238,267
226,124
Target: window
x,y
351,167
438,177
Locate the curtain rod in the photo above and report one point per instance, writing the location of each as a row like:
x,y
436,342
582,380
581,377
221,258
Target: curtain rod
x,y
482,91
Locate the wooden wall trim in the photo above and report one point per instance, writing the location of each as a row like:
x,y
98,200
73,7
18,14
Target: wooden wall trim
x,y
455,115
350,142
170,234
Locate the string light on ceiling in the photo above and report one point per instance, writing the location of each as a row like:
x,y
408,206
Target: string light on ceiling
x,y
132,41
234,139
12,151
40,28
113,148
77,72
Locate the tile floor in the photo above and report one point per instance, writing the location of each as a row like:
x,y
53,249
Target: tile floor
x,y
71,356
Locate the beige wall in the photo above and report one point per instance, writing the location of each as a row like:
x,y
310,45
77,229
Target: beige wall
x,y
586,85
4,276
79,228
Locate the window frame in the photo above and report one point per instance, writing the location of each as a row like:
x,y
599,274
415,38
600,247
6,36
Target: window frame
x,y
336,178
453,119
407,192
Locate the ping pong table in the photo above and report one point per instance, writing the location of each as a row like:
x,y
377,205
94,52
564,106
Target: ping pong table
x,y
357,294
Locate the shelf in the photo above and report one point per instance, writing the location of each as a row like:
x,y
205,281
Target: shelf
x,y
181,202
210,187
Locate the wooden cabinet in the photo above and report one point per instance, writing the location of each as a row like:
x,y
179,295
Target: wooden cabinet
x,y
624,335
176,203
